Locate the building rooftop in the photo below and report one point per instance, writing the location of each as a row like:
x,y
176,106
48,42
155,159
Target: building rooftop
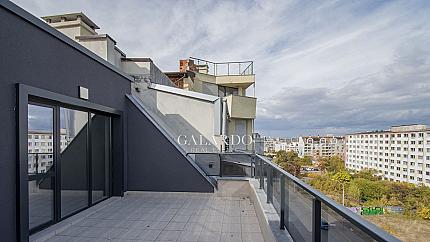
x,y
397,129
70,17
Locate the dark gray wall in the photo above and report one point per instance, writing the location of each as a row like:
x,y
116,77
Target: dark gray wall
x,y
154,164
31,56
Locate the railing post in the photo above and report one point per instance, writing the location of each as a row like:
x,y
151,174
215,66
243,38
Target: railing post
x,y
316,220
37,164
282,218
220,165
269,184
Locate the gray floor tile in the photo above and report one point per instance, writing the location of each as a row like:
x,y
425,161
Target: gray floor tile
x,y
167,235
231,237
179,226
149,235
189,236
231,228
252,237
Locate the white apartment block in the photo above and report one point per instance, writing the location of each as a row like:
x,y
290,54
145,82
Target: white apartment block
x,y
321,146
401,153
40,150
273,145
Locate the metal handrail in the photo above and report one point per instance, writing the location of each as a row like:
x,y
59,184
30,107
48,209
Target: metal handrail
x,y
318,197
369,228
249,69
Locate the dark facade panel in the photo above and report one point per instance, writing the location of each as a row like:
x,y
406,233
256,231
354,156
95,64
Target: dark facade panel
x,y
30,55
154,164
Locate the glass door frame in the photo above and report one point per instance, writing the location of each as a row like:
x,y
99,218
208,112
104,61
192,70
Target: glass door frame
x,y
53,176
30,95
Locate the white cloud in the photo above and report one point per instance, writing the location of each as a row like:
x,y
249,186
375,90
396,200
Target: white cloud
x,y
323,66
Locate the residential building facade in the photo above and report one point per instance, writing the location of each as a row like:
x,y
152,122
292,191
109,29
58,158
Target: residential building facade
x,y
273,145
401,153
321,146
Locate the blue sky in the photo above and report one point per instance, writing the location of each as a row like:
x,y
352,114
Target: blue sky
x,y
322,67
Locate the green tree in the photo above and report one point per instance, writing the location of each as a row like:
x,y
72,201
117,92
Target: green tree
x,y
306,161
342,177
289,161
424,212
369,174
331,164
370,190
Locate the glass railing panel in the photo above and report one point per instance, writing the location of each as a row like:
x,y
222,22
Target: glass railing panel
x,y
335,228
276,197
236,165
299,221
265,173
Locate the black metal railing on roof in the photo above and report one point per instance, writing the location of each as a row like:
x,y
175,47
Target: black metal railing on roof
x,y
231,68
306,213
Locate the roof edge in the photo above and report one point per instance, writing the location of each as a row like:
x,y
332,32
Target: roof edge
x,y
15,9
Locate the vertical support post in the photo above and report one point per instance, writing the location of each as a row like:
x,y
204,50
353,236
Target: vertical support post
x,y
57,163
282,219
269,184
252,166
220,165
89,161
316,220
37,163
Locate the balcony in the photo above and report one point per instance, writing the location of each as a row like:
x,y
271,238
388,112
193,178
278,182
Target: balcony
x,y
232,74
241,106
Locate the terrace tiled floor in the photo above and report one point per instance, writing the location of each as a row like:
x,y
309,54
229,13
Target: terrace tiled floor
x,y
151,216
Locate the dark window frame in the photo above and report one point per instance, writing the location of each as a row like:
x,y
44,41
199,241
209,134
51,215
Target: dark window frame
x,y
31,95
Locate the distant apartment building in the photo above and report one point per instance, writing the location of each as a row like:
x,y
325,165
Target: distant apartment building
x,y
273,145
401,153
321,146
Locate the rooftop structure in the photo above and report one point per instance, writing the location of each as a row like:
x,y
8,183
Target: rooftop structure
x,y
229,81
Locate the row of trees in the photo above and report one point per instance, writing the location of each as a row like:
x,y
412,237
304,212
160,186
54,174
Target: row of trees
x,y
363,188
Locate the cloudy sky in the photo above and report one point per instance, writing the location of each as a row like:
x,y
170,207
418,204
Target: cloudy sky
x,y
322,67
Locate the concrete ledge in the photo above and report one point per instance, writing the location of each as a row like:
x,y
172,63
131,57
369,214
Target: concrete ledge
x,y
268,217
61,226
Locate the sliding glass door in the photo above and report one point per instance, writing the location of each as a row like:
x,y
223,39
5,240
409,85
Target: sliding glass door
x,y
41,172
73,160
69,162
100,156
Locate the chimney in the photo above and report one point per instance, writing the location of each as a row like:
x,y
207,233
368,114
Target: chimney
x,y
186,65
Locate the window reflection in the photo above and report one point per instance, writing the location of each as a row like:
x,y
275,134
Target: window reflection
x,y
100,156
40,165
73,160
